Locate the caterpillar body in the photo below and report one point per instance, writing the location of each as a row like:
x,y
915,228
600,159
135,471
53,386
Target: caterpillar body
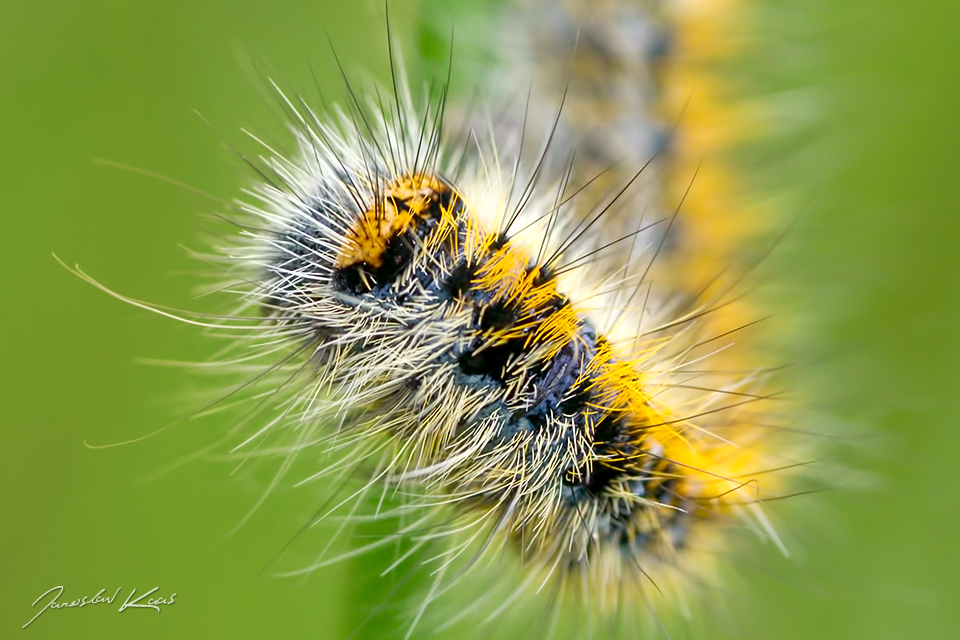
x,y
509,343
480,358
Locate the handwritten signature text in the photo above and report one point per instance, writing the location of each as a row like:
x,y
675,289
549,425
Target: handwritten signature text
x,y
132,601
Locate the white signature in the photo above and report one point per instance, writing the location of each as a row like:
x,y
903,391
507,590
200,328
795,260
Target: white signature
x,y
152,603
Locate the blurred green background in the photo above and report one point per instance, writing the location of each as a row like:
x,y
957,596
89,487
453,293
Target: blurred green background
x,y
871,270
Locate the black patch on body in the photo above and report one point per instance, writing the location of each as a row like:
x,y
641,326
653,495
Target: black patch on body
x,y
460,280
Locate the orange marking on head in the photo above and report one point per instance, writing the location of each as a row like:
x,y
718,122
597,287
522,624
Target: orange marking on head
x,y
402,204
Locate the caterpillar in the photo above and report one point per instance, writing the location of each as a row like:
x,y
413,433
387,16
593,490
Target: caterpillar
x,y
505,344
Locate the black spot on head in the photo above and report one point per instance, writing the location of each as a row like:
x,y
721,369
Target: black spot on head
x,y
352,278
362,277
396,257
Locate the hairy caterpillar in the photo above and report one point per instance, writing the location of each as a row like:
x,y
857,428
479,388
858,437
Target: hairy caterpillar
x,y
427,307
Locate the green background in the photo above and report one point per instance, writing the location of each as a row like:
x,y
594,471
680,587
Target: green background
x,y
870,271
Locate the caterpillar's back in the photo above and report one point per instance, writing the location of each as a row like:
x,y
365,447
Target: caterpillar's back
x,y
511,346
446,321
